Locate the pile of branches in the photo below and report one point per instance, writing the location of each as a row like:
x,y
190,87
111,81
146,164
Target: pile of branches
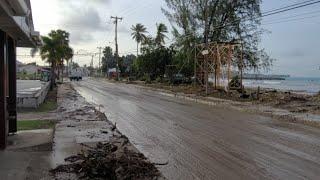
x,y
108,161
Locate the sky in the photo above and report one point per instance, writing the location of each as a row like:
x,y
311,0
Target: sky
x,y
291,38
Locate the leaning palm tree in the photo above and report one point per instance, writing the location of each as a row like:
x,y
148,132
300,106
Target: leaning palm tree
x,y
138,34
161,31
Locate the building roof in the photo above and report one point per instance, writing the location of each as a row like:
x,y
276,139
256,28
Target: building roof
x,y
16,20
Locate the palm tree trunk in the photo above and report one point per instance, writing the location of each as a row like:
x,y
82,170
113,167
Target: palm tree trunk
x,y
62,72
53,76
59,67
137,49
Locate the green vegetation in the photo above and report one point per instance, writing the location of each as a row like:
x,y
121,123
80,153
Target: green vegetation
x,y
220,21
35,124
47,106
197,22
27,76
55,51
109,62
138,34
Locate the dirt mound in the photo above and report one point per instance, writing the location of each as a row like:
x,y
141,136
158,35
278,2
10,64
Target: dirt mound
x,y
110,161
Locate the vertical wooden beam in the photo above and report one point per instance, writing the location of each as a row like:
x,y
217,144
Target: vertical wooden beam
x,y
216,68
3,91
230,47
12,102
241,70
195,65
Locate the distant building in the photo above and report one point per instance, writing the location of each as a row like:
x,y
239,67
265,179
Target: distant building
x,y
112,73
16,30
30,68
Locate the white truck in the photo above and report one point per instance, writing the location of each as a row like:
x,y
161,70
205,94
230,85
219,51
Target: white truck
x,y
76,74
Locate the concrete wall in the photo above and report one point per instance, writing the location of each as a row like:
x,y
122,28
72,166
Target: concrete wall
x,y
33,99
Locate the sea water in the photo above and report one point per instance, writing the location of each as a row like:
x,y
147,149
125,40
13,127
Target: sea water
x,y
296,84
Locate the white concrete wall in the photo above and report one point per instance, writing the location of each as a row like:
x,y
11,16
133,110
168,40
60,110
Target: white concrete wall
x,y
33,100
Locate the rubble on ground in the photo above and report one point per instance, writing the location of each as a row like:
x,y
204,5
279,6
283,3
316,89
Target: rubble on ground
x,y
99,150
110,161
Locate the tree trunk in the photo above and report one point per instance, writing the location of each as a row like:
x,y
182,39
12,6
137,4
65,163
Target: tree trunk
x,y
137,49
62,72
58,77
53,76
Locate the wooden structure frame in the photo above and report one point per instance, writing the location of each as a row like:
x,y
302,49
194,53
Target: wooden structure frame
x,y
210,58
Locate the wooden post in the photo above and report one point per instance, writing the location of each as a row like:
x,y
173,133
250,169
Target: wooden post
x,y
216,67
242,65
3,91
12,102
229,66
195,65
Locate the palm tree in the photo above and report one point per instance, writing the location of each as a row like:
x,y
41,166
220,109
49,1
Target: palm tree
x,y
55,50
161,30
138,34
68,54
47,52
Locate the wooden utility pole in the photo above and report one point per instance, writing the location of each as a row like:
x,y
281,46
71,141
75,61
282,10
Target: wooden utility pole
x,y
100,68
92,69
116,19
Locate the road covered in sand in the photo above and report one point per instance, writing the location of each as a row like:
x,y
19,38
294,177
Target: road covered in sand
x,y
197,141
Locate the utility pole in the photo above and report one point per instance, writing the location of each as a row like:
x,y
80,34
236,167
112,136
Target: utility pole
x,y
100,60
116,19
92,56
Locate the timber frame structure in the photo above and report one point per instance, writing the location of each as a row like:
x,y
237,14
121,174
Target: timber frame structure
x,y
210,59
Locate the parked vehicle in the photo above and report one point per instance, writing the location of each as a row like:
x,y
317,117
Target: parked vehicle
x,y
76,74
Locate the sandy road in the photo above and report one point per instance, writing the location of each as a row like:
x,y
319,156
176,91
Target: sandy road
x,y
203,142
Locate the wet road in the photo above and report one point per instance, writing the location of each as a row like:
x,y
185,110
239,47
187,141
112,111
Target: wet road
x,y
203,142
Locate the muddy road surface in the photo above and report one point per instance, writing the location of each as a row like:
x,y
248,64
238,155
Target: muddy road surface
x,y
203,142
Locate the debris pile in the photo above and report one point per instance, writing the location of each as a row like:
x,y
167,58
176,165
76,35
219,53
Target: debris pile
x,y
109,161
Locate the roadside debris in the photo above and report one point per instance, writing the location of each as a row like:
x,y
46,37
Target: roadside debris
x,y
99,150
109,161
294,102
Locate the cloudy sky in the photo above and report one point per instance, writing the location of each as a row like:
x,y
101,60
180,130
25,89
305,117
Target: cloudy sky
x,y
291,38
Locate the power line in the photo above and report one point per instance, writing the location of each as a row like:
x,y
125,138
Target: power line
x,y
297,15
266,15
291,20
134,10
289,8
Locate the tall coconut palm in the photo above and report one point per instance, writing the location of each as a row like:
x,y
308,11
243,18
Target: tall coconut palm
x,y
55,50
67,56
161,31
138,34
48,53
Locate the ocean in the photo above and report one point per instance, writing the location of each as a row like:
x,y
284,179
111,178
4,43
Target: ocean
x,y
296,84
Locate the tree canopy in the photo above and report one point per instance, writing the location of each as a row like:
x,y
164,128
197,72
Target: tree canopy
x,y
138,34
55,50
202,21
